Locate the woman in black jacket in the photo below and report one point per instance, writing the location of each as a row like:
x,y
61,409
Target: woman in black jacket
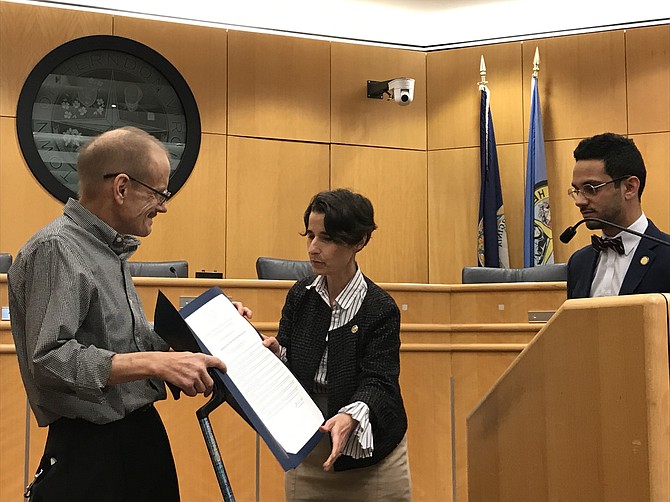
x,y
340,336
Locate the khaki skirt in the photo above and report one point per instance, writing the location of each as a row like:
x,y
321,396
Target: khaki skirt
x,y
387,481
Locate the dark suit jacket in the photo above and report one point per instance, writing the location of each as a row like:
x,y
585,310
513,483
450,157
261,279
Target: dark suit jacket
x,y
652,277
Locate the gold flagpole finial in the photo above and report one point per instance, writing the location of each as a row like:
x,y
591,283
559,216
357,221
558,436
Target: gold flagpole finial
x,y
482,73
536,62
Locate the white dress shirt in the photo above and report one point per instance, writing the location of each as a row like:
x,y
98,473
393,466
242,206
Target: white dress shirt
x,y
612,267
360,443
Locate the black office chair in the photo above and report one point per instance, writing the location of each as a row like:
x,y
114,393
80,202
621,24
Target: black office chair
x,y
177,268
278,269
543,273
5,262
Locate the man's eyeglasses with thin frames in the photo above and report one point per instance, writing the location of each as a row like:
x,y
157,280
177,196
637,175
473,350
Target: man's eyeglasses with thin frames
x,y
162,197
589,190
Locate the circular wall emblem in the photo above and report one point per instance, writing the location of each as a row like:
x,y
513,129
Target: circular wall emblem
x,y
93,84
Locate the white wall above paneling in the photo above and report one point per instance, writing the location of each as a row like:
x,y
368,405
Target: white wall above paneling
x,y
413,24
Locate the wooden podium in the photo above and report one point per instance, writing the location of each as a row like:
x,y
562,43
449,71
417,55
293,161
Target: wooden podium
x,y
583,413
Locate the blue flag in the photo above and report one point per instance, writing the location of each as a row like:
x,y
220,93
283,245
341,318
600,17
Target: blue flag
x,y
492,248
538,247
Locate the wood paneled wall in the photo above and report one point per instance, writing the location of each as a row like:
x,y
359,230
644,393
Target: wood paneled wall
x,y
283,118
615,81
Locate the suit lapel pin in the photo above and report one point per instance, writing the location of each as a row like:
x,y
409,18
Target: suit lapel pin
x,y
354,329
644,260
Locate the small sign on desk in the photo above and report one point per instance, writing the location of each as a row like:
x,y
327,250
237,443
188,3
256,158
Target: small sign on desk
x,y
208,275
540,316
5,314
185,300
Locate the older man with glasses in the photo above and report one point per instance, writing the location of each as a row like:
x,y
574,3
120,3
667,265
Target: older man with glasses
x,y
90,362
607,184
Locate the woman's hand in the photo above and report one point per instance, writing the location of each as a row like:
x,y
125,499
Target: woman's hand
x,y
340,426
244,311
271,343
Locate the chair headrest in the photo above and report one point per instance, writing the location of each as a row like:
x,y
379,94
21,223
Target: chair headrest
x,y
278,269
5,262
555,272
177,268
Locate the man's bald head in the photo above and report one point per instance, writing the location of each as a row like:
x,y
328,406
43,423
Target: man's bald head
x,y
127,149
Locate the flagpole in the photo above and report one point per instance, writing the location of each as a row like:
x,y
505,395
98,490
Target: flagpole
x,y
536,63
482,73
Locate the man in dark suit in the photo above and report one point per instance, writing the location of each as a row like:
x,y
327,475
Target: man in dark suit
x,y
607,183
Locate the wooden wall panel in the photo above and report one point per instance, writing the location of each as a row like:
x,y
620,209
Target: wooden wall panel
x,y
564,213
279,87
25,206
194,228
559,163
582,84
655,149
206,76
454,181
418,307
28,33
427,397
648,79
359,120
12,428
271,486
270,184
510,306
395,181
454,97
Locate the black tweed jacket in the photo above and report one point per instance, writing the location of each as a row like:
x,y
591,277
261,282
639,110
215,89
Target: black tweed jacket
x,y
363,360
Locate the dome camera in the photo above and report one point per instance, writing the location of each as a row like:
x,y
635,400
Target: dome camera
x,y
402,90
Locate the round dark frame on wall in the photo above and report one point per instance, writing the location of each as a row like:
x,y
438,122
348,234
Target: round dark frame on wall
x,y
151,61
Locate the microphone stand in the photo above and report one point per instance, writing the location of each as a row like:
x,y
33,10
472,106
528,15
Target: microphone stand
x,y
570,232
217,399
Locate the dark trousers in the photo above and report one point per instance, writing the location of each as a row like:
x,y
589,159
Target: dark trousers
x,y
124,461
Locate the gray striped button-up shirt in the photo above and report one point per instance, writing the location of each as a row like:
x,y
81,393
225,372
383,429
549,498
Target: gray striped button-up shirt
x,y
73,306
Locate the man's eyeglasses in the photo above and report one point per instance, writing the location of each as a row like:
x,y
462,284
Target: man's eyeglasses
x,y
162,197
589,190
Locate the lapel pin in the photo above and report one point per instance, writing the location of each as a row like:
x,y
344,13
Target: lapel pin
x,y
644,260
354,329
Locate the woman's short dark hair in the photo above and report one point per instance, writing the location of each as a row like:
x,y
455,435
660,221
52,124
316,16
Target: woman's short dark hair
x,y
349,217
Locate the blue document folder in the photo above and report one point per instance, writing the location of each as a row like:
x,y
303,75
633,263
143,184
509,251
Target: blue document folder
x,y
171,325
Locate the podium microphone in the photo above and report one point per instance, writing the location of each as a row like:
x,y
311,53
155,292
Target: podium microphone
x,y
174,271
570,232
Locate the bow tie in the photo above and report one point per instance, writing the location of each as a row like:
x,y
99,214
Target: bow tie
x,y
603,244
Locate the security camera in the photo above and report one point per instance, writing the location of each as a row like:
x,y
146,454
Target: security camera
x,y
402,90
